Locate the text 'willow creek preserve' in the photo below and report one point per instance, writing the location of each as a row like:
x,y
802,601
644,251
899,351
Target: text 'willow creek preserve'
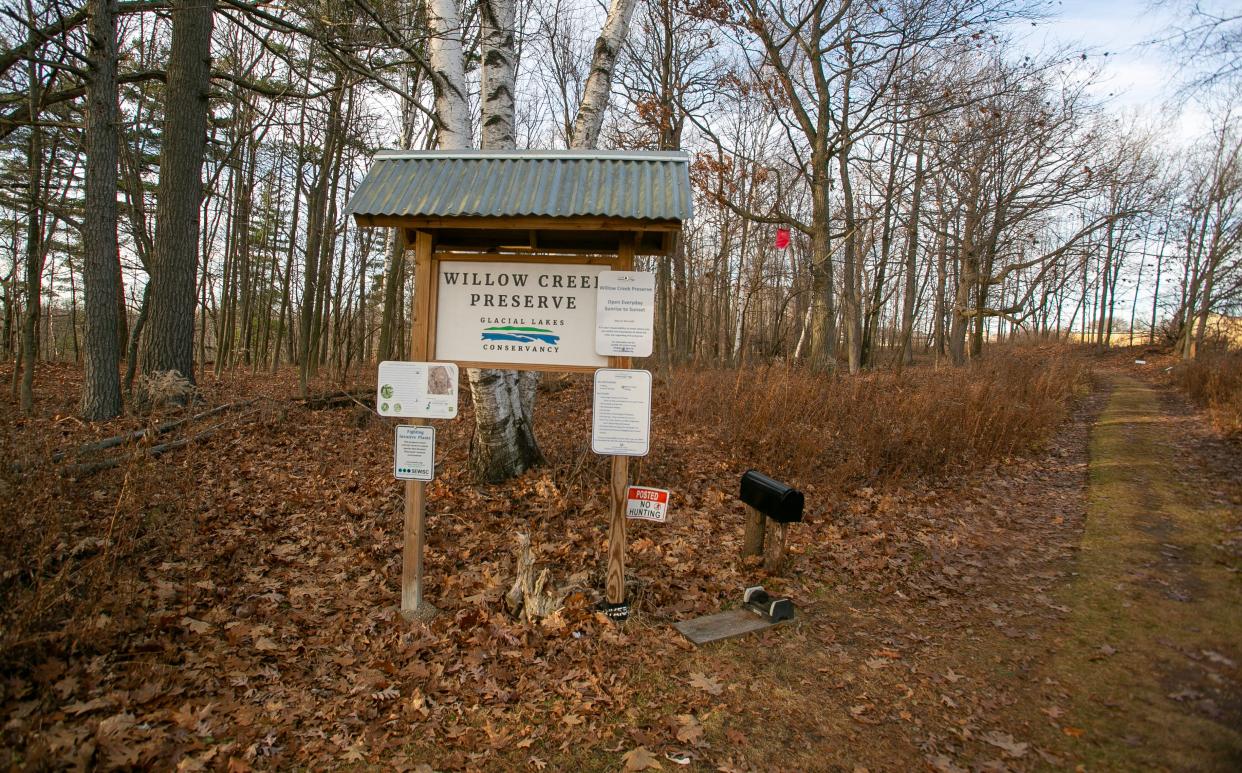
x,y
519,280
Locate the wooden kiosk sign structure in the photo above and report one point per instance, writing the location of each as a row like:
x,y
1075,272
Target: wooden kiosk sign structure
x,y
508,248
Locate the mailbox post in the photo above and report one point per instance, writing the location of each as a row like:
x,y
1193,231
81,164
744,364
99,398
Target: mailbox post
x,y
767,498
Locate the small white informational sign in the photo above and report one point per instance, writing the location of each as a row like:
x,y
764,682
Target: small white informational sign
x,y
625,313
621,414
414,453
648,504
417,390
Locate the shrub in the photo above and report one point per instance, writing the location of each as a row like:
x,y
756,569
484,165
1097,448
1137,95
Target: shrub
x,y
874,427
1214,381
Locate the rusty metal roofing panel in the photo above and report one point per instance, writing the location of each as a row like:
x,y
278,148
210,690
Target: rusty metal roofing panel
x,y
622,184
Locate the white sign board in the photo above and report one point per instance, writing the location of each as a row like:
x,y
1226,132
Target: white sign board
x,y
625,313
414,453
645,503
417,390
621,415
517,313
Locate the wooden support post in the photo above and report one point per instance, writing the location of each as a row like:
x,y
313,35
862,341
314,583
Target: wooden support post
x,y
617,484
774,552
412,551
619,480
752,540
412,604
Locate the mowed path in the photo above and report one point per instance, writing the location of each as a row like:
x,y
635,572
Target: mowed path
x,y
1154,640
1077,610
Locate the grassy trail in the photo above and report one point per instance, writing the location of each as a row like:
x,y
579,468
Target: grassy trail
x,y
1154,637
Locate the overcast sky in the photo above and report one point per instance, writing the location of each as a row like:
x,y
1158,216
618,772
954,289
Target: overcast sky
x,y
1139,78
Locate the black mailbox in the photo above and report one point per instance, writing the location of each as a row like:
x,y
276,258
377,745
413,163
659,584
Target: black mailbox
x,y
774,499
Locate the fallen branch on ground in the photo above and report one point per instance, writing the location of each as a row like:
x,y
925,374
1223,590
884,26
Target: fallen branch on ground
x,y
116,440
342,397
88,468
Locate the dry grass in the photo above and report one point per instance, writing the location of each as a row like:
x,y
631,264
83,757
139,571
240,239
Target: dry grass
x,y
879,427
1214,380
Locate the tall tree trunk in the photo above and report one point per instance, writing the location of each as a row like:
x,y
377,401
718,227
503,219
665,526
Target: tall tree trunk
x,y
228,281
1155,295
448,75
390,327
939,334
504,443
598,88
496,20
912,251
135,335
872,327
967,274
683,340
169,344
282,318
1205,302
1106,299
101,389
308,352
822,314
850,291
34,245
327,247
73,314
391,321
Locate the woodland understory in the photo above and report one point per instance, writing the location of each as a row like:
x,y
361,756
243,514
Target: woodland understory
x,y
232,604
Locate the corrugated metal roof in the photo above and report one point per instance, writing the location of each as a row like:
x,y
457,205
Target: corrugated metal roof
x,y
621,184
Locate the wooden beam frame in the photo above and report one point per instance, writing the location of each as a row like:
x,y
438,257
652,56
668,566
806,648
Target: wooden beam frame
x,y
422,348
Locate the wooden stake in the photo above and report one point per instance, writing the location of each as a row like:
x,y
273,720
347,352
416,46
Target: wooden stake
x,y
412,604
412,554
618,482
752,540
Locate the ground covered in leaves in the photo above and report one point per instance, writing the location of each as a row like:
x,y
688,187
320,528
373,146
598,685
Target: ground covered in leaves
x,y
231,603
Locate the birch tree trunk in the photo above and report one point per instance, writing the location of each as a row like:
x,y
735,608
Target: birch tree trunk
x,y
448,75
504,443
599,83
101,390
496,17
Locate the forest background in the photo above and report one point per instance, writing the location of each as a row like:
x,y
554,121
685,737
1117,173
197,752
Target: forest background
x,y
944,185
200,526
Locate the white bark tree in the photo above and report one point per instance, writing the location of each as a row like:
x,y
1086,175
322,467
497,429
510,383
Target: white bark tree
x,y
599,83
452,108
504,442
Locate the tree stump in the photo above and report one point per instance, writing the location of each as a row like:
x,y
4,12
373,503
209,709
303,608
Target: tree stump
x,y
532,597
